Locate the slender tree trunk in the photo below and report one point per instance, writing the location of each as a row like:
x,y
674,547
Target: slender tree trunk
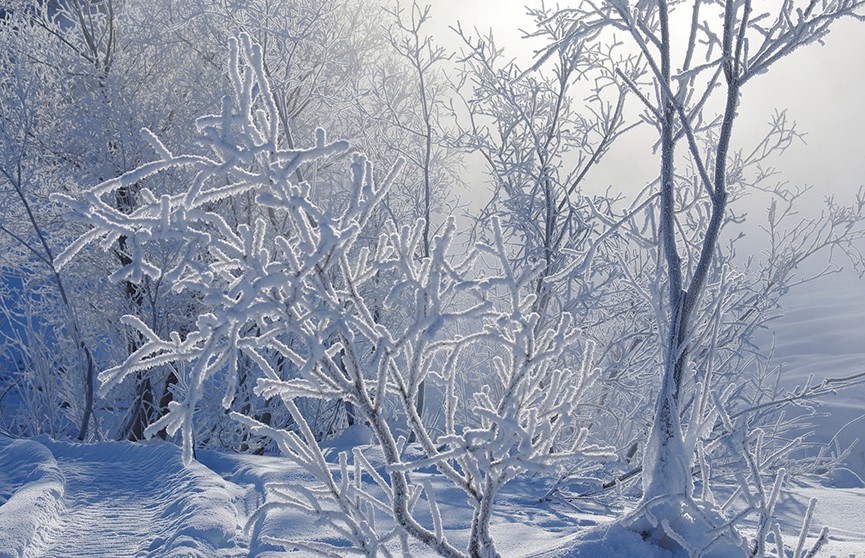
x,y
89,381
667,461
141,413
665,468
481,541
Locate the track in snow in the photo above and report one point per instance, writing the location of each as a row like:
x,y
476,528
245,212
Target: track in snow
x,y
118,500
114,500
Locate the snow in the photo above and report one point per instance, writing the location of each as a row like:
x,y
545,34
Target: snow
x,y
116,499
111,499
844,511
822,333
31,490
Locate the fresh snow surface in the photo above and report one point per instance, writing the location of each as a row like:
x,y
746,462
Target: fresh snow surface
x,y
111,500
822,332
118,499
522,527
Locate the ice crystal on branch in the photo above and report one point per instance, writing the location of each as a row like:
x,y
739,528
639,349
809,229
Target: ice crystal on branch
x,y
323,312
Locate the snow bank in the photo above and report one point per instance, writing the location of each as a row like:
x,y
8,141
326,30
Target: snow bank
x,y
112,499
610,541
255,473
122,499
521,526
31,492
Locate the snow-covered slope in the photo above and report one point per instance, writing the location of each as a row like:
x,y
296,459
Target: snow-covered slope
x,y
822,333
31,493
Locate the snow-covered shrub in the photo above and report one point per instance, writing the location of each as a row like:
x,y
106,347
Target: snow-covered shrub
x,y
91,74
323,315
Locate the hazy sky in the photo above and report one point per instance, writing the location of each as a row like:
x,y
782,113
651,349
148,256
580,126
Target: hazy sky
x,y
820,86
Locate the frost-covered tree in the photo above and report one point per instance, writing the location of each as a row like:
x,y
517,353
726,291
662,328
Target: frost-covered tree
x,y
290,299
277,288
54,385
689,69
97,72
542,146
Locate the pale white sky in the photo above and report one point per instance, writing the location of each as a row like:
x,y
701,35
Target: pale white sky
x,y
820,86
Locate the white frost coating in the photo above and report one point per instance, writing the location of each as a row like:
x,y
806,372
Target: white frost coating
x,y
667,468
361,324
239,136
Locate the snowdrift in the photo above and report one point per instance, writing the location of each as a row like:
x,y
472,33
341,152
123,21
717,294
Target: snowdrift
x,y
111,499
31,494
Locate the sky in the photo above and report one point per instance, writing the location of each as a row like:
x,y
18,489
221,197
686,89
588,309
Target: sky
x,y
820,86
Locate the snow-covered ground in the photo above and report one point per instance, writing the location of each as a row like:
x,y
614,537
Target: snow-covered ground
x,y
110,500
118,499
822,332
